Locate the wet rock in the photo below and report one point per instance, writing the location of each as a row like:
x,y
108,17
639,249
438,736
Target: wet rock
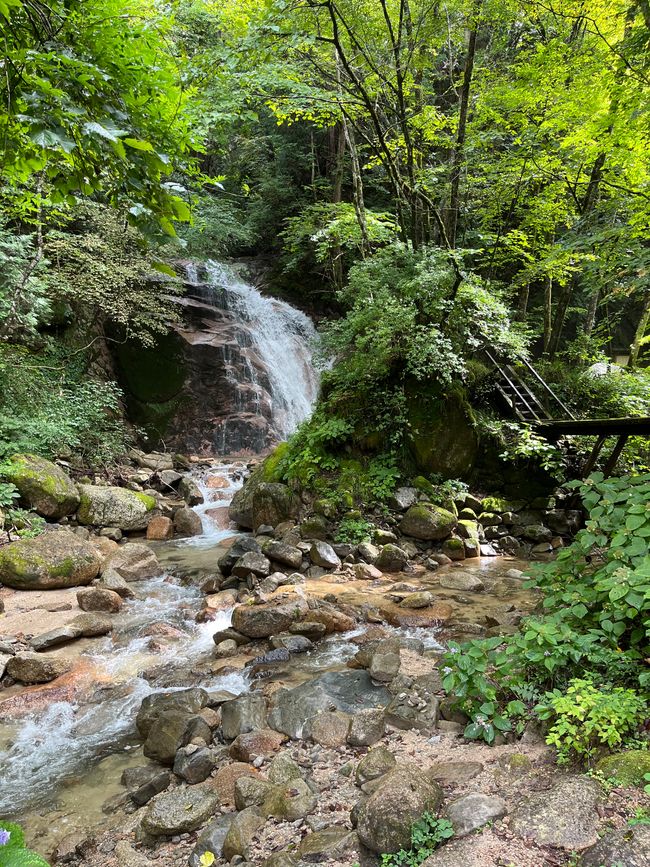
x,y
427,522
110,580
628,768
384,666
292,643
472,811
126,856
4,659
309,628
155,706
243,714
248,746
43,486
92,625
385,818
329,728
328,845
378,762
187,522
251,792
368,552
366,572
289,801
419,599
230,634
348,691
55,637
454,549
253,562
190,491
107,506
172,730
391,559
145,782
225,779
333,619
241,832
226,649
272,503
194,764
463,581
99,599
179,811
564,522
625,847
454,773
240,547
565,816
288,555
367,727
48,562
403,499
323,555
537,533
261,621
133,562
211,839
160,528
28,667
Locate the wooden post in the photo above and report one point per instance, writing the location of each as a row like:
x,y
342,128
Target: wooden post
x,y
615,455
593,457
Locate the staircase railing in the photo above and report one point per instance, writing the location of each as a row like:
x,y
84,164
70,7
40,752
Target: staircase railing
x,y
518,394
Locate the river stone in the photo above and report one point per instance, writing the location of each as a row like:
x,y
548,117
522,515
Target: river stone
x,y
328,845
272,503
154,706
28,667
403,498
348,691
251,792
194,764
250,745
565,816
126,856
455,548
537,533
324,555
288,555
241,832
160,528
472,811
454,773
226,649
49,562
384,666
42,485
289,801
463,581
628,768
391,559
261,621
179,811
55,637
329,728
172,730
385,818
144,782
243,714
627,847
253,562
92,625
368,552
187,522
292,643
315,527
457,853
211,839
99,599
427,522
108,506
190,491
378,762
367,727
309,629
283,769
133,562
419,599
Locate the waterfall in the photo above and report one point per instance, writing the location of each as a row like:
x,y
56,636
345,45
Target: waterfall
x,y
258,352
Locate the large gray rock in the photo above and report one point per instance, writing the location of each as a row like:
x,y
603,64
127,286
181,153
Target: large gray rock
x,y
377,763
28,667
171,731
324,555
625,847
403,499
472,811
428,522
55,637
287,555
463,581
132,562
566,816
289,801
190,491
391,559
48,562
249,562
211,839
179,811
367,727
261,621
348,691
194,764
246,713
153,707
142,783
232,555
43,486
107,506
241,832
385,818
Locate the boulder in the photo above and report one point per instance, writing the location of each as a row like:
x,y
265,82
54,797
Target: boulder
x,y
243,714
628,768
132,562
28,667
211,839
329,846
225,649
627,847
261,621
537,533
92,625
250,745
455,548
280,552
232,555
187,522
108,506
384,666
171,731
272,503
48,562
192,701
367,727
289,801
225,779
419,599
564,522
194,764
329,728
190,491
323,555
99,599
315,527
251,562
283,769
142,783
427,522
376,763
179,811
463,581
55,637
565,816
241,832
42,485
472,811
385,818
391,559
160,528
403,498
368,552
454,773
251,792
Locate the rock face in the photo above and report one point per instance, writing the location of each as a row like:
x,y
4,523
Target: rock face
x,y
261,621
403,796
565,816
28,667
427,522
43,486
114,507
48,562
179,811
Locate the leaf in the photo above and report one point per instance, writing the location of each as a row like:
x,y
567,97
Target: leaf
x,y
138,144
109,133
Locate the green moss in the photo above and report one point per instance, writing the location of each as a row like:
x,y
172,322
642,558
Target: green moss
x,y
496,504
453,544
424,486
64,569
149,502
272,469
629,768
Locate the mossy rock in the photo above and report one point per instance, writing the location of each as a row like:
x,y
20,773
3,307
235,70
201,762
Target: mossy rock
x,y
468,529
271,469
43,486
428,522
272,503
49,562
497,504
109,506
629,768
315,527
268,472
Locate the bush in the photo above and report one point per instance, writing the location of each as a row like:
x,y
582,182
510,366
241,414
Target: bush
x,y
426,835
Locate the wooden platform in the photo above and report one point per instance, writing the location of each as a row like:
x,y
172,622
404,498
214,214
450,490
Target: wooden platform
x,y
594,426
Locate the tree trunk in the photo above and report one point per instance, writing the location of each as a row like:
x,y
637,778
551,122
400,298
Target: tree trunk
x,y
642,327
560,316
548,316
337,150
522,303
590,321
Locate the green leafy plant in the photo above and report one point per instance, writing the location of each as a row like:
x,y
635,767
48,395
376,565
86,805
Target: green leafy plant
x,y
641,817
354,530
646,788
426,835
13,852
585,719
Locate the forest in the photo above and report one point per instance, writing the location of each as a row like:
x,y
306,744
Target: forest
x,y
457,194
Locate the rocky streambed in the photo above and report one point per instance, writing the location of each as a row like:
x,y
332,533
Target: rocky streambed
x,y
274,698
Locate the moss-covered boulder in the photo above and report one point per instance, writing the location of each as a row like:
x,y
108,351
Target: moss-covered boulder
x,y
43,486
629,768
114,507
442,437
241,506
49,562
428,522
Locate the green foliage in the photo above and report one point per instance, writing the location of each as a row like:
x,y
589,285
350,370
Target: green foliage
x,y
595,617
520,444
646,788
427,834
13,853
354,530
585,719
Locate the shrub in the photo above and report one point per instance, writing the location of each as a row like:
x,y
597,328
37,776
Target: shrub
x,y
426,835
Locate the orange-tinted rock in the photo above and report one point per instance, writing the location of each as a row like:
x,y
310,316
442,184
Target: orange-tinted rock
x,y
217,482
437,613
225,778
160,528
